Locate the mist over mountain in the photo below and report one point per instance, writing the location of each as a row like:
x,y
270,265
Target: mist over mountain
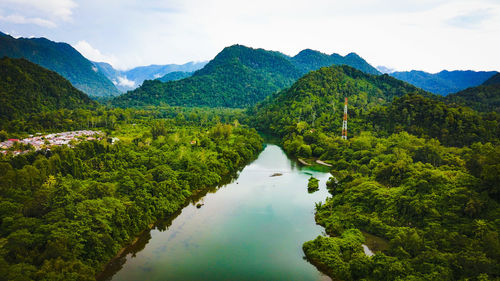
x,y
385,69
61,58
126,80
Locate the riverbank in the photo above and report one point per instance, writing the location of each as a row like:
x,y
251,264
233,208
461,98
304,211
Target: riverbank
x,y
141,239
254,222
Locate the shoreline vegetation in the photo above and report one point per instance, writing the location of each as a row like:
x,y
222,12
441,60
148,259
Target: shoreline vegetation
x,y
418,172
110,268
437,220
68,211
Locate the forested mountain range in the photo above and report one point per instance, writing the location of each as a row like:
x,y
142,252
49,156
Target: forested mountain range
x,y
444,82
126,80
61,58
485,97
238,76
27,88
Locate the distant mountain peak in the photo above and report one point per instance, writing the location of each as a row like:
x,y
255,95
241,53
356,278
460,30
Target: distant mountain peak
x,y
444,82
493,80
310,52
126,80
353,55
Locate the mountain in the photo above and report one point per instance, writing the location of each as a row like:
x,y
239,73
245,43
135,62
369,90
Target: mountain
x,y
126,80
317,99
381,104
238,76
444,82
28,88
494,80
61,58
485,97
308,60
176,75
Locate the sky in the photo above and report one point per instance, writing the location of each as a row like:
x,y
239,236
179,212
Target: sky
x,y
429,35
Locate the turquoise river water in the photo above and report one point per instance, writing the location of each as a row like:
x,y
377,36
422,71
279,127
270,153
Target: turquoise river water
x,y
250,229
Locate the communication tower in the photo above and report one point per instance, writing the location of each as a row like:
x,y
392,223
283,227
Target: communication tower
x,y
344,123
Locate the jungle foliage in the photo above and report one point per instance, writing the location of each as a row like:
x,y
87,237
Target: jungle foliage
x,y
27,88
419,173
66,212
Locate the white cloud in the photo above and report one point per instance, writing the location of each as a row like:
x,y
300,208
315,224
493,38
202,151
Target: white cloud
x,y
92,53
44,13
472,19
19,19
410,34
60,9
123,81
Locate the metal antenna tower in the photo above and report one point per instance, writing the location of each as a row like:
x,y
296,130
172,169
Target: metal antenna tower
x,y
344,123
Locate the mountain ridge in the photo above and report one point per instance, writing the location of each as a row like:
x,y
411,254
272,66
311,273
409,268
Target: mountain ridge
x,y
444,82
238,76
484,98
61,58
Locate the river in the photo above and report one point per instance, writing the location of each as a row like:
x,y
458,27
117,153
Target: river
x,y
250,229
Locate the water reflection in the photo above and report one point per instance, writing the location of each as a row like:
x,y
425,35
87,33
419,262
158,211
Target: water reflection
x,y
251,229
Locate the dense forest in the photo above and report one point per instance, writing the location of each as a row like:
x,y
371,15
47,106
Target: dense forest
x,y
27,88
317,99
66,212
417,173
437,207
61,58
237,77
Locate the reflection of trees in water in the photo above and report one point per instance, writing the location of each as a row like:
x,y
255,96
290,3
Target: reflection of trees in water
x,y
117,263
